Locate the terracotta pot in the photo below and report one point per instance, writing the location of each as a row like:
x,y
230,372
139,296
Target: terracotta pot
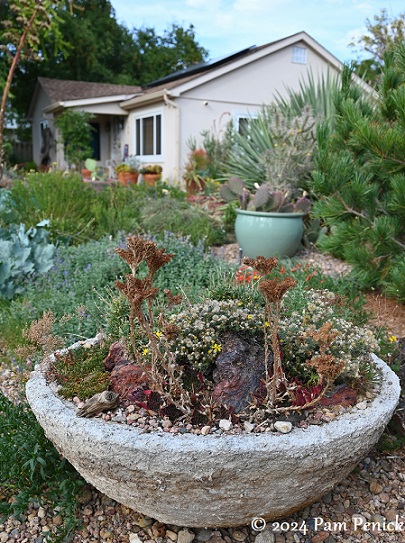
x,y
193,186
212,481
128,177
151,178
86,173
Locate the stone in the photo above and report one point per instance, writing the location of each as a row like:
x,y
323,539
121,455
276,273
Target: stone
x,y
127,381
203,535
266,536
283,426
134,538
344,396
41,513
239,369
375,487
205,430
249,426
58,520
185,536
238,535
117,355
143,522
225,424
171,535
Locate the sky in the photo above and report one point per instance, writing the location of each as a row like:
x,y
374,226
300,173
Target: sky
x,y
224,27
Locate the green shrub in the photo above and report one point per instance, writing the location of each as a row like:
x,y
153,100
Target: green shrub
x,y
64,200
116,209
171,215
32,469
360,180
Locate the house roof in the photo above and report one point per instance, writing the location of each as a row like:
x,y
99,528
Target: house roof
x,y
60,90
183,80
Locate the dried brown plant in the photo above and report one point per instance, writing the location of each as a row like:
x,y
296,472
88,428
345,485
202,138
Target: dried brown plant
x,y
273,291
40,337
163,373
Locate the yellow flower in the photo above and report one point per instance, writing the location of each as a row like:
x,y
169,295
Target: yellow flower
x,y
393,338
217,348
249,317
267,324
145,351
158,334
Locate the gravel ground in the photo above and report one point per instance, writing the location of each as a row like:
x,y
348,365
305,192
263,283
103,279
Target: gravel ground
x,y
369,506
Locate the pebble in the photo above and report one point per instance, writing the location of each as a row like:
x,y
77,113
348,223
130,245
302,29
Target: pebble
x,y
266,536
203,534
284,427
238,535
248,426
205,430
185,536
134,538
225,424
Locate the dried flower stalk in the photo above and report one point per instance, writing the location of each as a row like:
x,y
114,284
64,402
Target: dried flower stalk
x,y
163,373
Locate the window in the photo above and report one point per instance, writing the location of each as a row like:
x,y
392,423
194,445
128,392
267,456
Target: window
x,y
148,135
95,141
299,55
243,123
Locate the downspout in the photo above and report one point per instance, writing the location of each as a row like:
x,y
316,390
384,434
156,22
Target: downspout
x,y
171,103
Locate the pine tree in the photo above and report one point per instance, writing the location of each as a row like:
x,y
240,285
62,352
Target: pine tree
x,y
360,179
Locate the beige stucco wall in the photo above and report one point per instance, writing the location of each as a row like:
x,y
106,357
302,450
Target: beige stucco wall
x,y
241,92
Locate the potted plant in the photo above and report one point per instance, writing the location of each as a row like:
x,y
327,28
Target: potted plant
x,y
128,171
233,408
196,171
275,149
269,222
151,173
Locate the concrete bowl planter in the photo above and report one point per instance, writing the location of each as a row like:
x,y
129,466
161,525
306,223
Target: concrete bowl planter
x,y
213,481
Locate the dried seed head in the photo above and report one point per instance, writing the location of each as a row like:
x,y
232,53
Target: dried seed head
x,y
263,265
274,289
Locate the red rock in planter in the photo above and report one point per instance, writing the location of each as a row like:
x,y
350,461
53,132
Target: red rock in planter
x,y
126,377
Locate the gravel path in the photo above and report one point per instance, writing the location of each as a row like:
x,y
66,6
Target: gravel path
x,y
369,506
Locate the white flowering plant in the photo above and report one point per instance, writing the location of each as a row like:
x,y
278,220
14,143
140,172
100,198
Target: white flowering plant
x,y
289,345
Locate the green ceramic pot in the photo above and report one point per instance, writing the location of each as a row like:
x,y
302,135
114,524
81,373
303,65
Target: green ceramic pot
x,y
268,234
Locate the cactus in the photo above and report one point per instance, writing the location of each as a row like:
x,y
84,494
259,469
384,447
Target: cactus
x,y
233,190
264,199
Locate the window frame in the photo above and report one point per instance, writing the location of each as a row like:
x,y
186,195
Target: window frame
x,y
299,54
138,149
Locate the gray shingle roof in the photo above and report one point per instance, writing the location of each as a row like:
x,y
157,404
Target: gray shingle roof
x,y
59,90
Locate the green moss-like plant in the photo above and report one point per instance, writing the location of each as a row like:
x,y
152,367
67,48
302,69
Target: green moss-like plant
x,y
80,372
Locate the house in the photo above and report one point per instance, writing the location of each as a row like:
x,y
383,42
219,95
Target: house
x,y
156,122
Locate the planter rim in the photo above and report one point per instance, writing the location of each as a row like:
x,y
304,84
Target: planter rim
x,y
42,396
279,214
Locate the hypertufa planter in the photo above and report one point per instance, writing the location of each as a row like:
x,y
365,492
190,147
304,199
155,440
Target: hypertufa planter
x,y
213,481
260,233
